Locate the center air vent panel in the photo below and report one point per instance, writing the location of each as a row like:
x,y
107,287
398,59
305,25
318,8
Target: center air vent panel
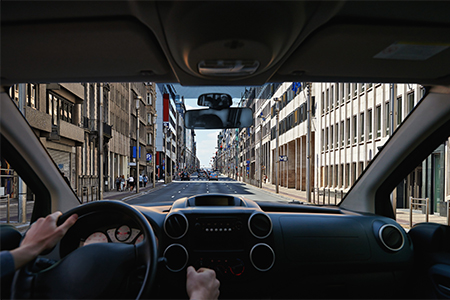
x,y
262,257
176,225
260,225
176,256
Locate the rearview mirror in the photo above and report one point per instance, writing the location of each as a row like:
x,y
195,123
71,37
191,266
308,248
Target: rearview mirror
x,y
233,117
215,100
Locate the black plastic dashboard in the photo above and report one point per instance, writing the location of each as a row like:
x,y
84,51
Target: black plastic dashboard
x,y
300,252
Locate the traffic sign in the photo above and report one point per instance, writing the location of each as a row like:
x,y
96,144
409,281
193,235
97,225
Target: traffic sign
x,y
149,157
283,158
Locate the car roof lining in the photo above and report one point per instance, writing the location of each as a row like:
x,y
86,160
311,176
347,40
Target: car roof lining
x,y
140,43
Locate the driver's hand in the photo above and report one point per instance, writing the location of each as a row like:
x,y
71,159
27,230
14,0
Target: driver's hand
x,y
43,234
202,284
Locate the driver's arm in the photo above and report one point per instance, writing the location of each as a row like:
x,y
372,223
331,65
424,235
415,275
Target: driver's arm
x,y
43,234
202,284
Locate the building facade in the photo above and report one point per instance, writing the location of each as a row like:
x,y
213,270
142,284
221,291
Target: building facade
x,y
350,123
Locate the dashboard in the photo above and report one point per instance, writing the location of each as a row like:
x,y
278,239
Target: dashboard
x,y
261,250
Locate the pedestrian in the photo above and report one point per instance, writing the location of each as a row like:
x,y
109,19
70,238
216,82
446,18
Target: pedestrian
x,y
145,180
122,183
141,180
131,182
118,181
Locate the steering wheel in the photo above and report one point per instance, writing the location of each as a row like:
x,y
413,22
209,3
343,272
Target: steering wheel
x,y
96,270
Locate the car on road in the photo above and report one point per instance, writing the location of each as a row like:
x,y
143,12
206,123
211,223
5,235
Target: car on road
x,y
213,176
273,249
185,176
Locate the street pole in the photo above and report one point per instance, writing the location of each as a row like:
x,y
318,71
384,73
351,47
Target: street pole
x,y
391,132
176,149
260,156
165,154
154,150
171,163
100,143
308,146
277,158
22,187
137,182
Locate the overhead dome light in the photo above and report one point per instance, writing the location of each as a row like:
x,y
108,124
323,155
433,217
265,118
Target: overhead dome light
x,y
227,67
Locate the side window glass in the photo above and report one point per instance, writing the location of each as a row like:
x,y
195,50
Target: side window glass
x,y
424,195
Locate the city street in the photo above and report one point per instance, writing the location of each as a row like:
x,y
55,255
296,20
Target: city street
x,y
178,189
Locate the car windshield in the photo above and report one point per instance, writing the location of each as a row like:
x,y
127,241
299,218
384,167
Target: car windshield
x,y
270,155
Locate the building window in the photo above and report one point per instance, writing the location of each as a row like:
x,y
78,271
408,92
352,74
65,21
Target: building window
x,y
353,172
336,140
149,119
149,99
387,119
355,124
337,94
369,124
331,136
149,138
347,175
347,125
326,139
323,102
332,96
378,121
399,110
328,99
422,92
349,93
410,98
59,108
361,127
323,139
32,94
14,92
355,89
342,133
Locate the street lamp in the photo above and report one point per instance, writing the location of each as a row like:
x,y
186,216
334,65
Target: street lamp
x,y
154,150
277,158
138,100
165,153
262,118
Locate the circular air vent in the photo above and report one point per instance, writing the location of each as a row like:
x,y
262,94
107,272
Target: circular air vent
x,y
176,226
391,237
260,225
176,256
262,257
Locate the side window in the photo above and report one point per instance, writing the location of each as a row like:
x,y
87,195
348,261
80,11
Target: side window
x,y
426,190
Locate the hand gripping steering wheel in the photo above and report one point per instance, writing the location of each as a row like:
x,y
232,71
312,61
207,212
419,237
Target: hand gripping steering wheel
x,y
93,271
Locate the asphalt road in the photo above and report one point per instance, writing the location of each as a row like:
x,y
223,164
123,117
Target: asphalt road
x,y
178,189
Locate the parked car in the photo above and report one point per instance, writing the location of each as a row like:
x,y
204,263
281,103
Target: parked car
x,y
185,176
273,249
213,176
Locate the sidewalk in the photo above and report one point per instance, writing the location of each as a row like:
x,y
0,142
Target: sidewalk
x,y
402,214
110,195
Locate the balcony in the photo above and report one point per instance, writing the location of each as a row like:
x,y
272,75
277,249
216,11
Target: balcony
x,y
92,126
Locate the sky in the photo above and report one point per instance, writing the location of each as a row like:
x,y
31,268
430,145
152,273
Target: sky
x,y
207,138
